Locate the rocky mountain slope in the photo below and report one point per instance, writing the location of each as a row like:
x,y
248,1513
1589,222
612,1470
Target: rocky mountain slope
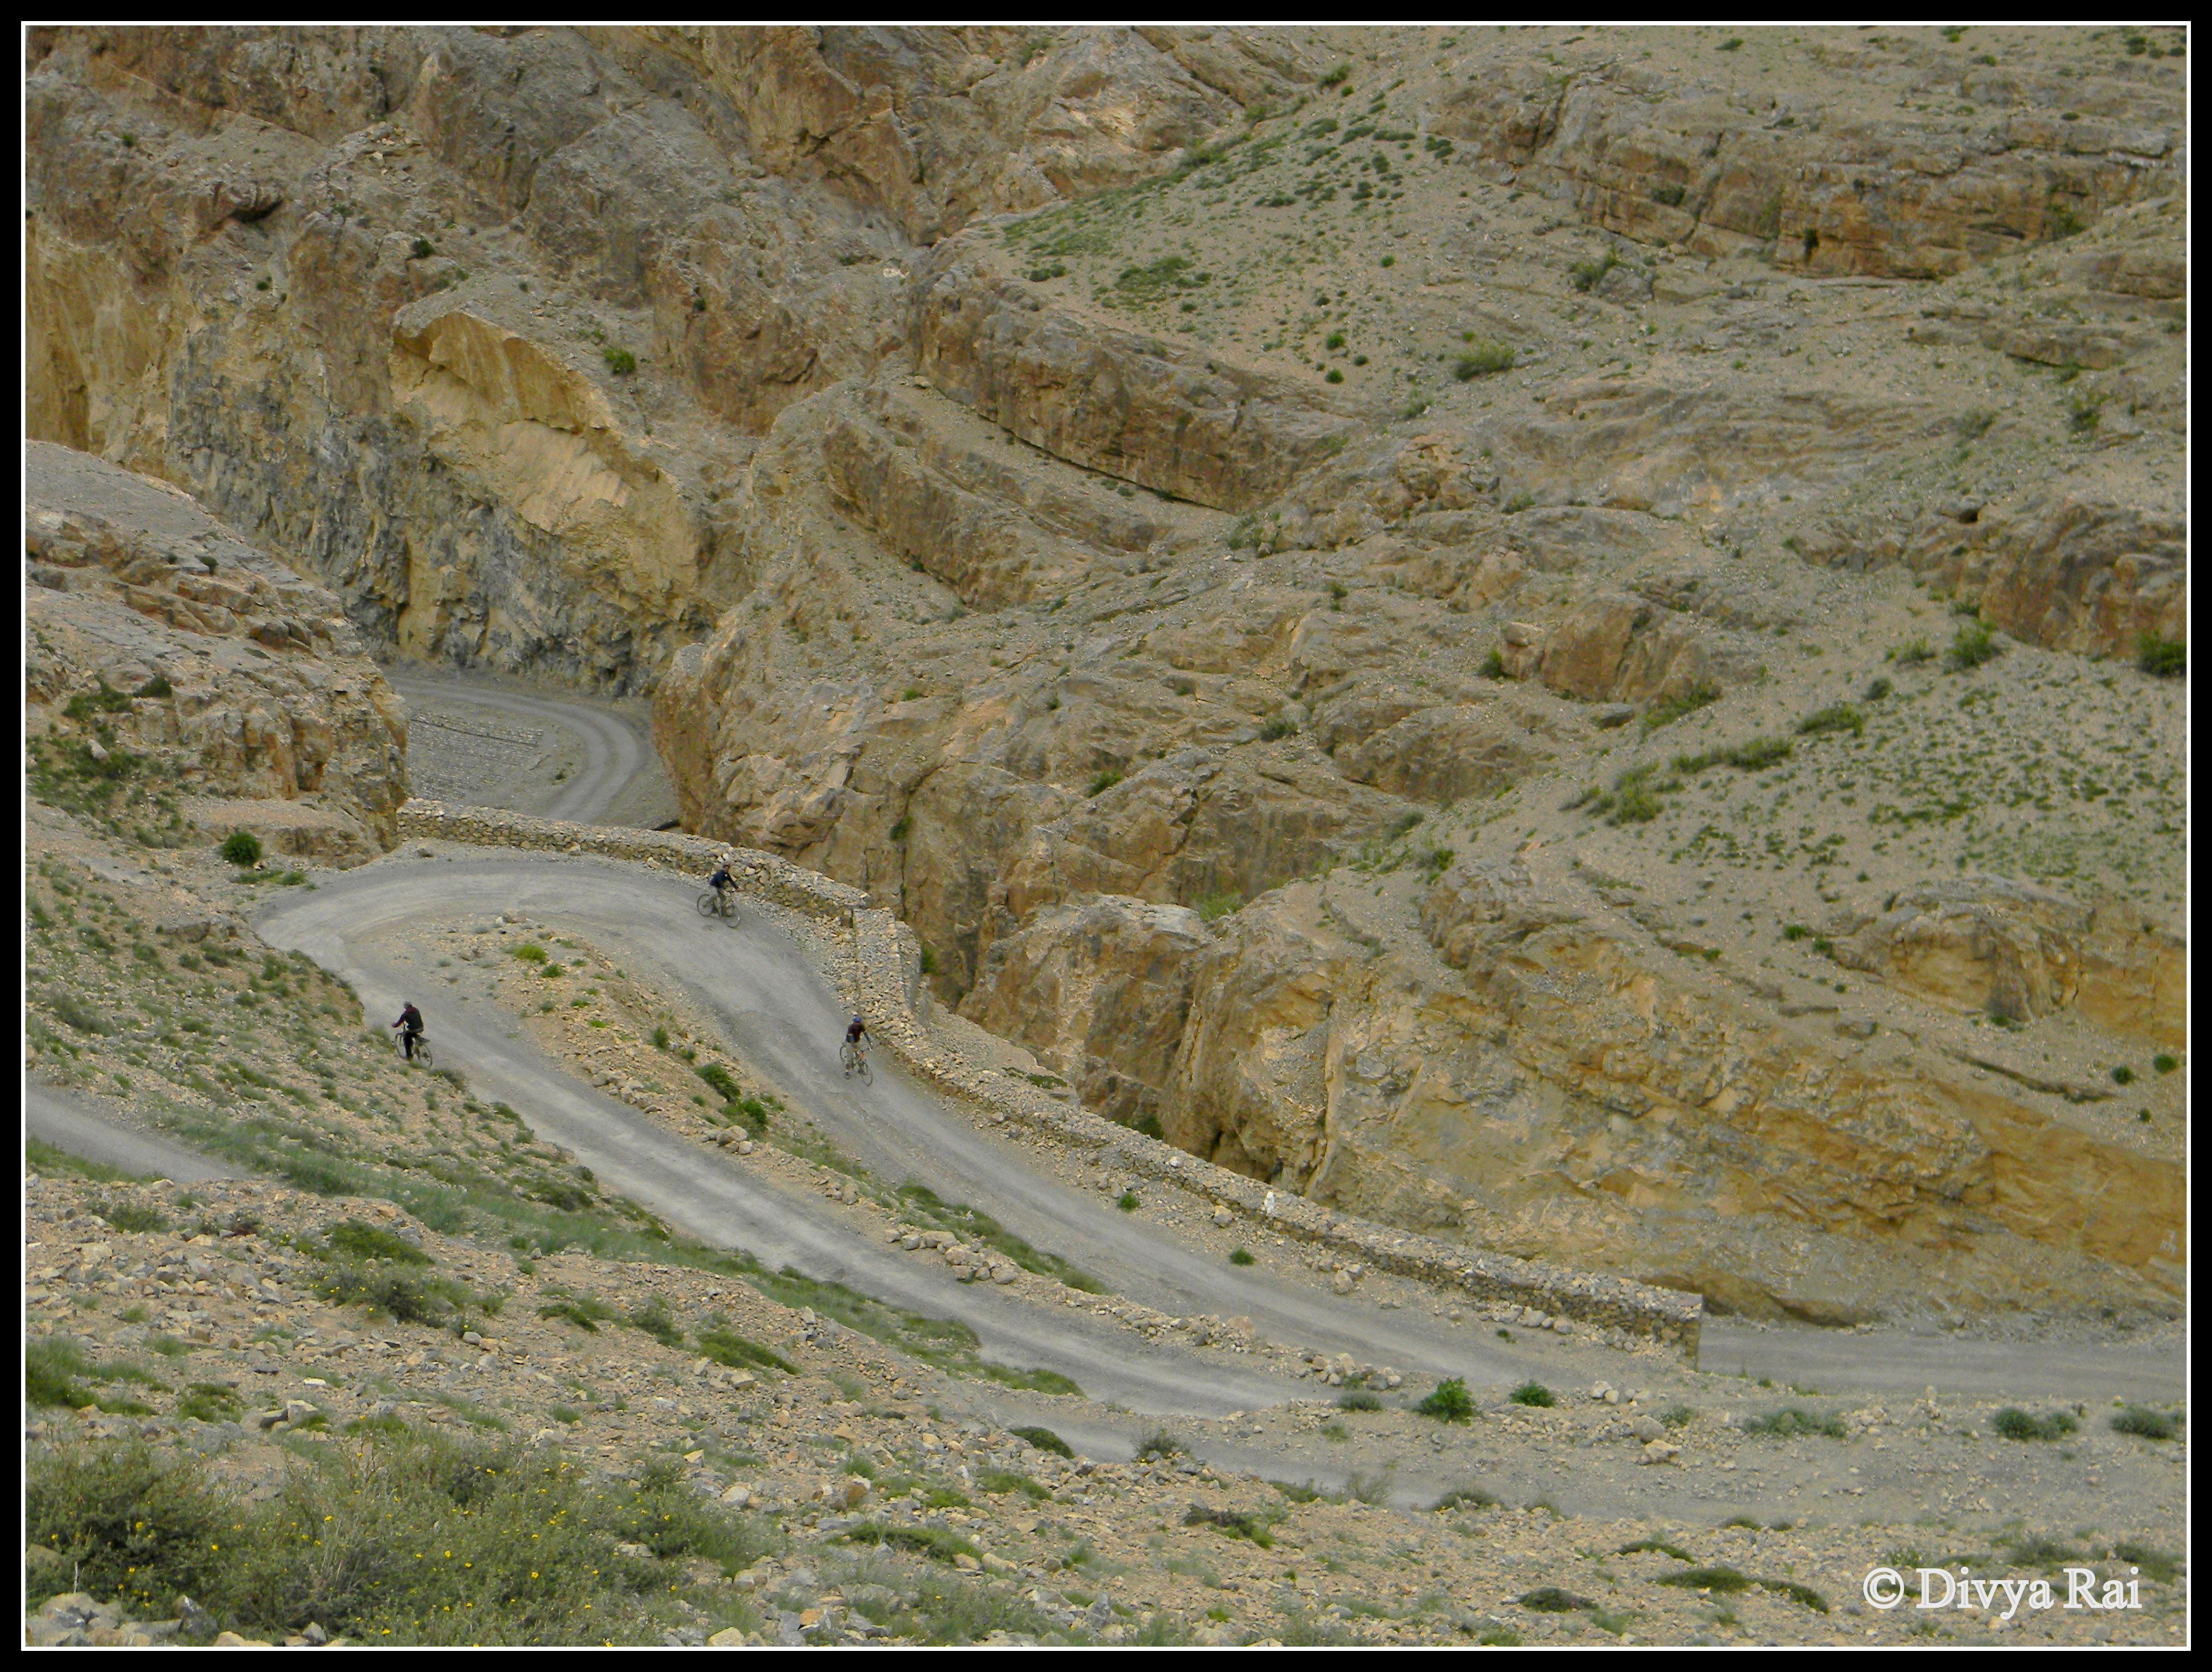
x,y
1553,633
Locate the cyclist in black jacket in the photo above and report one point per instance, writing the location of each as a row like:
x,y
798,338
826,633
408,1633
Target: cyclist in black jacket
x,y
410,1029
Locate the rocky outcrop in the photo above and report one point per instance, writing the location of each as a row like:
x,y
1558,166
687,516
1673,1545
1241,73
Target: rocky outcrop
x,y
280,312
164,648
1098,992
1167,416
1839,181
1669,447
1995,946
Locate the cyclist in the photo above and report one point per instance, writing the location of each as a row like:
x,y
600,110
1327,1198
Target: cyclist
x,y
410,1029
856,1038
721,879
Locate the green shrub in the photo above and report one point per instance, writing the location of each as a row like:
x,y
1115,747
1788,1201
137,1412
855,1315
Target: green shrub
x,y
1531,1393
1972,646
1277,726
2160,1565
1484,355
1160,1443
2147,1423
1044,1440
1104,782
1587,274
1359,1398
1494,665
362,1241
1240,1256
133,1217
211,1402
1550,1599
242,847
402,1295
529,952
1658,1546
2014,1424
2165,1062
621,361
2124,1075
2160,658
654,1318
1836,717
1127,1201
1450,1402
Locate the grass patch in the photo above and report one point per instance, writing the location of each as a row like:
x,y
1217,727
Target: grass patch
x,y
1790,1423
1160,1443
1247,1525
1669,710
1002,1481
922,1206
43,1158
944,1343
1044,1440
1836,717
938,1544
733,1351
1657,1545
1532,1393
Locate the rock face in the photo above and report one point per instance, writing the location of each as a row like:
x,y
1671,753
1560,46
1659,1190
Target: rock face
x,y
1553,1088
1826,177
2007,949
259,290
1174,513
162,645
1168,418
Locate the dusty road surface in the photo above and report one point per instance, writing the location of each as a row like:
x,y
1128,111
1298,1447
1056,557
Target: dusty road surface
x,y
486,742
85,1125
777,1010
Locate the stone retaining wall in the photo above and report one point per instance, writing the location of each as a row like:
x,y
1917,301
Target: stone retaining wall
x,y
880,966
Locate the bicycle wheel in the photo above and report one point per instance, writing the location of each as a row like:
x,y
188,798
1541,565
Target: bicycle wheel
x,y
708,905
867,1074
845,1059
423,1053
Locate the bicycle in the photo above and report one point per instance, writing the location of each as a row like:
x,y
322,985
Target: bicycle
x,y
853,1060
717,903
421,1047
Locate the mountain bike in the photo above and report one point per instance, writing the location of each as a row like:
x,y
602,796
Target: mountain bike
x,y
421,1047
853,1060
719,903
